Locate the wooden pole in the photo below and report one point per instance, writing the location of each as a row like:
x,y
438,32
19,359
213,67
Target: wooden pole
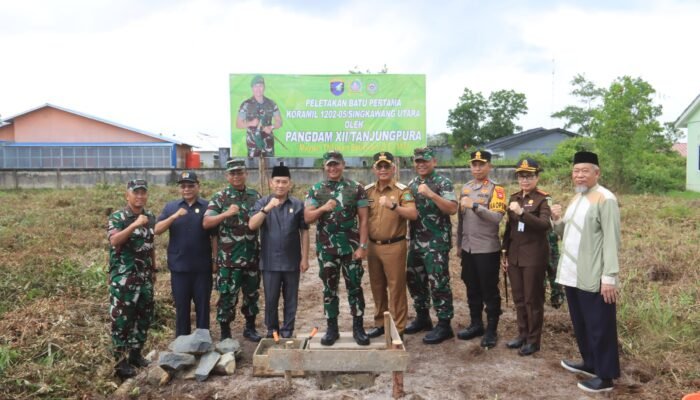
x,y
397,390
262,174
288,373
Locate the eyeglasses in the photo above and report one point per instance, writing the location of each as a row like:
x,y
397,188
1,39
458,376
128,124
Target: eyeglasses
x,y
527,177
187,186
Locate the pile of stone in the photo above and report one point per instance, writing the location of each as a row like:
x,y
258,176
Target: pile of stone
x,y
195,356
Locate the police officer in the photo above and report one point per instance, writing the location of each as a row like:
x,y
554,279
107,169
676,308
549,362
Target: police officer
x,y
259,116
238,250
482,206
341,243
132,269
526,254
391,205
428,272
189,253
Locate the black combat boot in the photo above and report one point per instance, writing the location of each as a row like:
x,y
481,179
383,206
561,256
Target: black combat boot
x,y
421,323
123,370
136,360
331,332
475,329
491,334
441,332
225,330
358,332
249,331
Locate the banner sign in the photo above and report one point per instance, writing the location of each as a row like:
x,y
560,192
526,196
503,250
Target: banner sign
x,y
307,115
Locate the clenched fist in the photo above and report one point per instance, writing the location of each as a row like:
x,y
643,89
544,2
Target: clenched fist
x,y
330,205
233,210
515,207
424,190
142,220
180,212
556,212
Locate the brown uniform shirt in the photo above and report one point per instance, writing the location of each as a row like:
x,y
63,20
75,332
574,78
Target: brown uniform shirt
x,y
526,243
385,224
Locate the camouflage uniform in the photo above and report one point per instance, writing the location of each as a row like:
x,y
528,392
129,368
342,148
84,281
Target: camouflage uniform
x,y
259,142
428,270
238,254
337,238
556,292
131,273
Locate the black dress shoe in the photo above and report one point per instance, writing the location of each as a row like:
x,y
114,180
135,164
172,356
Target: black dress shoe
x,y
596,385
578,368
375,332
529,349
515,343
470,332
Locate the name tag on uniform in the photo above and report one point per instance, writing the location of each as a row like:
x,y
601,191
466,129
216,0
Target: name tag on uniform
x,y
521,226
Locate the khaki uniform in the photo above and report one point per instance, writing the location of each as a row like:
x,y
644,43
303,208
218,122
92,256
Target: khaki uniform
x,y
386,258
477,236
527,247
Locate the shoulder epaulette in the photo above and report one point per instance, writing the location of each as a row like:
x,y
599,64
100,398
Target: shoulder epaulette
x,y
371,185
401,186
542,192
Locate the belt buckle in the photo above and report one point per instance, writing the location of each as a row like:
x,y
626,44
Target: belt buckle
x,y
378,242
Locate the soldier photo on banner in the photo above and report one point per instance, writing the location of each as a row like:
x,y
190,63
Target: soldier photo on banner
x,y
259,116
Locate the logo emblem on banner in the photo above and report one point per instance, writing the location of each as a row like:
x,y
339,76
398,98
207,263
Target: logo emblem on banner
x,y
372,87
337,87
356,86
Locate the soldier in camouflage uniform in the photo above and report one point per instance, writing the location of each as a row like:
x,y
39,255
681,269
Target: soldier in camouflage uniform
x,y
238,250
428,270
259,116
131,277
337,204
556,291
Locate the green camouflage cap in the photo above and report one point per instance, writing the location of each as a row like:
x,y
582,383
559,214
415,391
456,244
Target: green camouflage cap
x,y
137,184
235,164
332,156
423,153
257,79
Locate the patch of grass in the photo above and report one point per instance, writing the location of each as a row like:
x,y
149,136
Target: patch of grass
x,y
7,356
684,194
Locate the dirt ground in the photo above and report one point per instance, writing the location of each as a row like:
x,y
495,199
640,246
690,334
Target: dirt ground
x,y
454,369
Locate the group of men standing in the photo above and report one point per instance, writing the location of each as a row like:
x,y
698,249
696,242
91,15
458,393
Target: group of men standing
x,y
355,222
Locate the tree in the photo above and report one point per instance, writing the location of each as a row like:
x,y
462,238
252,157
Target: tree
x,y
477,120
581,116
356,70
634,148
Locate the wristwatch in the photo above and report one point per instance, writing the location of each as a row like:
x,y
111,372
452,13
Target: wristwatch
x,y
393,206
475,206
363,246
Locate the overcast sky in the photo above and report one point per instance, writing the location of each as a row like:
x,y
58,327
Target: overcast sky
x,y
163,66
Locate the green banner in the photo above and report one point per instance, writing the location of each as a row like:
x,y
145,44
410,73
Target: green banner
x,y
307,115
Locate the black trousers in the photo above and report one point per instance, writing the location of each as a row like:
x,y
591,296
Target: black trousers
x,y
595,327
186,287
287,283
480,274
